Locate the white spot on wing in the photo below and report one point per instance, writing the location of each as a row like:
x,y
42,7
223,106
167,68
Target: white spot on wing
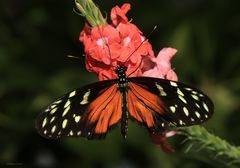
x,y
73,93
180,122
79,133
195,97
205,107
44,122
85,97
58,101
180,92
173,83
53,111
181,98
53,118
77,119
197,114
185,110
160,88
197,105
67,104
194,92
71,133
173,109
53,106
189,89
66,111
64,123
53,129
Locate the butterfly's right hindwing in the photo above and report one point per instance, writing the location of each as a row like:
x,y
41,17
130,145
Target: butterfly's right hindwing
x,y
69,114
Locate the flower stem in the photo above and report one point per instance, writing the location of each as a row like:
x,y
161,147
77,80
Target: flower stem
x,y
215,149
91,12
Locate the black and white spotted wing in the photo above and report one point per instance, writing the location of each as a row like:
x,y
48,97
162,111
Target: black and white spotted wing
x,y
76,113
155,103
183,105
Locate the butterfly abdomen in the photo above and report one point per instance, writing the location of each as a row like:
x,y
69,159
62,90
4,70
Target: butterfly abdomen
x,y
124,121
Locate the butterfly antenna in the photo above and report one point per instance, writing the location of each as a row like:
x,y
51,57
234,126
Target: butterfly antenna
x,y
137,49
135,69
146,39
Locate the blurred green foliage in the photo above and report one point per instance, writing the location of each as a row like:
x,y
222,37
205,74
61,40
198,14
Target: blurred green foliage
x,y
36,36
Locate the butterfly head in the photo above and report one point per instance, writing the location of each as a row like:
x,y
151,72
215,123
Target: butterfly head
x,y
122,78
121,71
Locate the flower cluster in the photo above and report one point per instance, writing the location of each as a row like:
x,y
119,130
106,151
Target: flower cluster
x,y
122,43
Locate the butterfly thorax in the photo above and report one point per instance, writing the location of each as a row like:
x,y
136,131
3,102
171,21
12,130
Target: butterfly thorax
x,y
122,78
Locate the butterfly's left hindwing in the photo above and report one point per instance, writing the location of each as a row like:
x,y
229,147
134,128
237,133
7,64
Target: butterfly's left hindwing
x,y
177,104
78,113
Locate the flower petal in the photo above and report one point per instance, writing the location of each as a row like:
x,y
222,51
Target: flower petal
x,y
171,75
160,139
118,14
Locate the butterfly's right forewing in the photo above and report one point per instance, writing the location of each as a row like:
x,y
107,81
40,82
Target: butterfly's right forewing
x,y
80,112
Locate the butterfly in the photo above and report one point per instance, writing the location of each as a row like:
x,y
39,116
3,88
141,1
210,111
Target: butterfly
x,y
92,110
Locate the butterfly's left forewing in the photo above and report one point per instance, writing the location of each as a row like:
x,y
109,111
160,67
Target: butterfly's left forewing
x,y
88,111
177,104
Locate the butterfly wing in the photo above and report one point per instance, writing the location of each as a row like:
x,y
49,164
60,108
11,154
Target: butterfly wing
x,y
159,103
88,112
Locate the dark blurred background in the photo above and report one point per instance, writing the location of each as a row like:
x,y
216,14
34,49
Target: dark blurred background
x,y
35,39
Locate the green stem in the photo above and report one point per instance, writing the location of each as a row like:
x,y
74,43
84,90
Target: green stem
x,y
91,12
214,149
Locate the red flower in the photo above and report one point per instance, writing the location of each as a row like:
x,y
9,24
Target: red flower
x,y
117,42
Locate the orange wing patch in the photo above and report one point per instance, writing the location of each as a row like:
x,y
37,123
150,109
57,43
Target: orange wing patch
x,y
105,111
142,105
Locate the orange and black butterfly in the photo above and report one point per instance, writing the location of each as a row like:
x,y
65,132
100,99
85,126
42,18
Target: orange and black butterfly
x,y
92,110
